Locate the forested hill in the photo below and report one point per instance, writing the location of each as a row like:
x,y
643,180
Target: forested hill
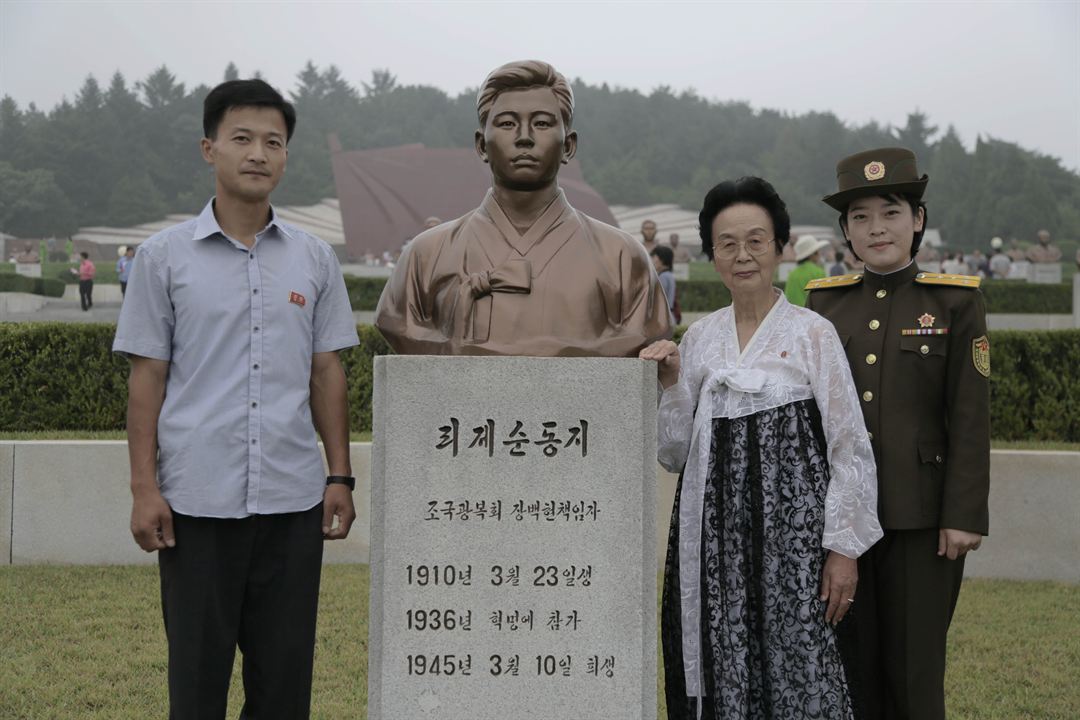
x,y
128,153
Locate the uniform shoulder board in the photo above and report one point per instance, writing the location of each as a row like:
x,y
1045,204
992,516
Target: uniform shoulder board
x,y
834,282
967,281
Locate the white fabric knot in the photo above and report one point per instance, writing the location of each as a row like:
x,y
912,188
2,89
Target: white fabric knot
x,y
745,380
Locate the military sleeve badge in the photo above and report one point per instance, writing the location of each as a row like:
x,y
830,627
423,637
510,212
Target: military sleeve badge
x,y
980,355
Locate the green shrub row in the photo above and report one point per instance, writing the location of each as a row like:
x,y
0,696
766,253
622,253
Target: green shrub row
x,y
9,282
63,376
1002,296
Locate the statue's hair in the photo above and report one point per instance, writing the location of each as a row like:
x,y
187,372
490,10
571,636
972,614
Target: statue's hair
x,y
524,75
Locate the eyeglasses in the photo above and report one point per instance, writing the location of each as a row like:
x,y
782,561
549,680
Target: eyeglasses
x,y
728,249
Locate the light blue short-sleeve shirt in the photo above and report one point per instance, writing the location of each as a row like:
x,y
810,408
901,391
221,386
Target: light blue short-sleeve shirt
x,y
238,327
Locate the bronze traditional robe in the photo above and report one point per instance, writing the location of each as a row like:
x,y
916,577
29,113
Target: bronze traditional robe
x,y
569,286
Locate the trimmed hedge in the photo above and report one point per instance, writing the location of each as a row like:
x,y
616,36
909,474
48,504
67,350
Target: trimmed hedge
x,y
1002,296
50,287
64,376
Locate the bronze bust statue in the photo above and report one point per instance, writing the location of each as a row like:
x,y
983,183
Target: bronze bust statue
x,y
525,273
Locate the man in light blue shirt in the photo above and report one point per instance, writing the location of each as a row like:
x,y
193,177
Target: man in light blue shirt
x,y
123,268
233,330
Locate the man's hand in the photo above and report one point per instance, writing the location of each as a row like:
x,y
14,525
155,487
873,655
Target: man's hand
x,y
838,580
666,355
955,544
152,521
337,501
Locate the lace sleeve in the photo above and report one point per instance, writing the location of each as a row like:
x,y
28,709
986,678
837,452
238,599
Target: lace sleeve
x,y
675,415
851,520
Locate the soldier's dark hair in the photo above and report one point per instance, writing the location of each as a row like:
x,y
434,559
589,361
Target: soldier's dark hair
x,y
666,255
244,93
912,201
744,191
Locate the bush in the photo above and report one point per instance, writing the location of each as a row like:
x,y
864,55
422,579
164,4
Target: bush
x,y
10,282
61,376
1010,296
1034,385
364,291
64,376
700,296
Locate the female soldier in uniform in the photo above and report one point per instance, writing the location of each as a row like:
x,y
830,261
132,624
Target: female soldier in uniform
x,y
920,357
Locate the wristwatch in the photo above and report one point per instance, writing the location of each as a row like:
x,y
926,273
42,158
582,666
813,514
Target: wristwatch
x,y
346,480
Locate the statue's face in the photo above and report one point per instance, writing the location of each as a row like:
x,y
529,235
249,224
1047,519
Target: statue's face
x,y
525,139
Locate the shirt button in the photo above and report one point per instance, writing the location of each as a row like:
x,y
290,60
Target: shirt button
x,y
254,404
881,293
868,396
256,366
256,328
255,291
251,256
874,324
871,359
924,349
253,441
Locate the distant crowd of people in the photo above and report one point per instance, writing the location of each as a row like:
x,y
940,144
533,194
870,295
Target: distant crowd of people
x,y
817,258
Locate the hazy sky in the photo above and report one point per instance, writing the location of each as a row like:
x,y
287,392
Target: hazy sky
x,y
1003,69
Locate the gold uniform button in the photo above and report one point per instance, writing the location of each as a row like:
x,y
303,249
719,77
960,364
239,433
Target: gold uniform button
x,y
872,358
874,324
870,435
881,293
924,349
868,396
937,458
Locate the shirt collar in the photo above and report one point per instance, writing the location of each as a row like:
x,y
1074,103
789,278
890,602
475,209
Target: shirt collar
x,y
875,272
206,224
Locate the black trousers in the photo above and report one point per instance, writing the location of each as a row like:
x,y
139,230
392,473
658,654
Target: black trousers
x,y
893,640
252,583
86,290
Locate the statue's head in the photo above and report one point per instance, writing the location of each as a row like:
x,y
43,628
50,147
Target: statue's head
x,y
1044,237
526,110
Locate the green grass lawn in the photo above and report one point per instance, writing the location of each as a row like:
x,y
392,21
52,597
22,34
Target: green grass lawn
x,y
87,642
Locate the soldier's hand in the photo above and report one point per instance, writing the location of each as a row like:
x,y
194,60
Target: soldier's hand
x,y
337,501
152,521
666,355
955,544
838,580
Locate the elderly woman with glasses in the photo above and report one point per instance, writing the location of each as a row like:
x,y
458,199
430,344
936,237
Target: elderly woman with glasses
x,y
777,495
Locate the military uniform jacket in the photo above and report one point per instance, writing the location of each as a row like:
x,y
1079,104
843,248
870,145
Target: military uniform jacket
x,y
920,358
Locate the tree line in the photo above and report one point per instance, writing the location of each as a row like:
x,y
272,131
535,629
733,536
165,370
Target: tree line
x,y
127,153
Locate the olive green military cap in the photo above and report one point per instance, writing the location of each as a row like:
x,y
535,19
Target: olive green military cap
x,y
884,171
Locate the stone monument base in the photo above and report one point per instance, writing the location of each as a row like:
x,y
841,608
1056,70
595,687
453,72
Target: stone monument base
x,y
513,560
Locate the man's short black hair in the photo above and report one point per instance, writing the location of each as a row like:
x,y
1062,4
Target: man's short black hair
x,y
244,93
913,202
666,255
744,191
85,255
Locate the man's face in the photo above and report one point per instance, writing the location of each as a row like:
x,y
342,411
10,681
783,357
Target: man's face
x,y
673,240
248,152
882,231
648,230
525,140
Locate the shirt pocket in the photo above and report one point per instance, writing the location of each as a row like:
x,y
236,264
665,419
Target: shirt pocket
x,y
927,347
